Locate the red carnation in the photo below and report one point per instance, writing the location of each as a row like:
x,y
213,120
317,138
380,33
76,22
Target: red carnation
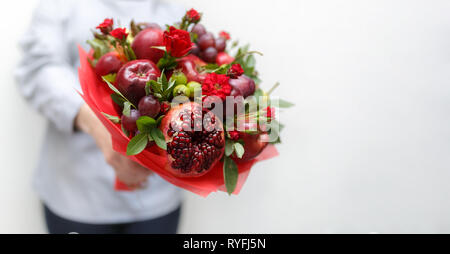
x,y
235,71
224,35
119,33
216,85
193,16
106,26
178,42
234,135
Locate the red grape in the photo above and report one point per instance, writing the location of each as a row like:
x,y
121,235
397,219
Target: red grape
x,y
129,122
205,41
199,29
149,106
209,55
221,44
195,50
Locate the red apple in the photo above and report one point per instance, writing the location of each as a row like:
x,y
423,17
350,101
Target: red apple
x,y
107,64
242,85
254,144
189,69
145,40
133,76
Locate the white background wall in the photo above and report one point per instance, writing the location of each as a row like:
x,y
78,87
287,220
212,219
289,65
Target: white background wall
x,y
366,148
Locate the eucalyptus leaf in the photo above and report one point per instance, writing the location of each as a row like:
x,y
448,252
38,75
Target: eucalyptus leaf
x,y
114,119
229,147
158,137
230,174
126,108
282,103
239,149
137,144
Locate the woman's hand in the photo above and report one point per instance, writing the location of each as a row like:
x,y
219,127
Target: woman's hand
x,y
127,171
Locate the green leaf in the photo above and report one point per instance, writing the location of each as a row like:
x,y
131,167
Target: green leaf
x,y
155,86
100,47
110,77
145,124
137,144
117,99
163,48
239,149
229,147
114,119
283,103
125,131
167,62
223,69
126,108
158,137
114,89
250,62
147,88
163,79
230,174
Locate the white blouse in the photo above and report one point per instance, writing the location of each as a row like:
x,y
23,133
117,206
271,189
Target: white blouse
x,y
72,177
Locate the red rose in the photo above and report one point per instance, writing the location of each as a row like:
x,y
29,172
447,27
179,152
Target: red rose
x,y
178,42
216,85
234,135
119,33
224,35
235,71
106,26
193,16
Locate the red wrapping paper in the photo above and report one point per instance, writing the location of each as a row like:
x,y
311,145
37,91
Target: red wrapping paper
x,y
97,95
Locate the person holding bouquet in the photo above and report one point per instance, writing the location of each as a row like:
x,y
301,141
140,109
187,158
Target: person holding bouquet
x,y
78,166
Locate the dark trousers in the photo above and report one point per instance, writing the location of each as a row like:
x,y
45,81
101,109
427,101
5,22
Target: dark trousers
x,y
167,224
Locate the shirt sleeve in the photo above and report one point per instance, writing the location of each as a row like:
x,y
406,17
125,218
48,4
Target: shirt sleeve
x,y
45,77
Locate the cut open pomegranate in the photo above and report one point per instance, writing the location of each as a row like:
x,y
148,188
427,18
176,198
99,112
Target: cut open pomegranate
x,y
195,140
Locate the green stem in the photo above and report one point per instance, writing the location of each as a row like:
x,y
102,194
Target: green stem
x,y
273,88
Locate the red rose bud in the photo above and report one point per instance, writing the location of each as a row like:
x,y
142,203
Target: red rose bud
x,y
193,16
269,112
119,33
235,71
178,42
224,35
234,135
106,26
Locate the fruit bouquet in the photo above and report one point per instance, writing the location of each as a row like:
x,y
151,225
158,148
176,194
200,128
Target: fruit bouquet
x,y
176,101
